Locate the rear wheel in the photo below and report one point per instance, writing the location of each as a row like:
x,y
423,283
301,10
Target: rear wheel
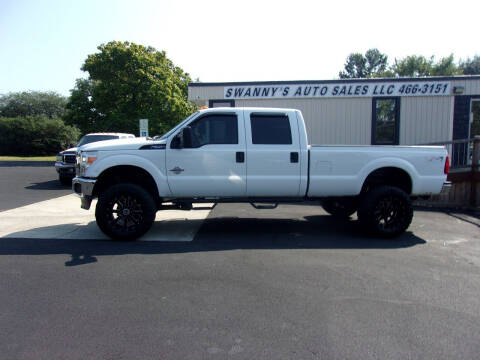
x,y
341,208
386,211
125,211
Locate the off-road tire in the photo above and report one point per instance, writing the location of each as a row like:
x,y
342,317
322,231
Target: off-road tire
x,y
340,208
385,211
125,211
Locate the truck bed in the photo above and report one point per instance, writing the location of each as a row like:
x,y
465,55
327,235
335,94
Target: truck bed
x,y
342,170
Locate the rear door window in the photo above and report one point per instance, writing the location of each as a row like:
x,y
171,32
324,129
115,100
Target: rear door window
x,y
270,129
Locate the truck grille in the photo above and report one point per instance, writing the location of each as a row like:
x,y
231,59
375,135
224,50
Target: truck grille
x,y
69,159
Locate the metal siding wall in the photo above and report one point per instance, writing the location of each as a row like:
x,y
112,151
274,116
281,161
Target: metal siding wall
x,y
425,119
196,93
475,88
472,87
328,121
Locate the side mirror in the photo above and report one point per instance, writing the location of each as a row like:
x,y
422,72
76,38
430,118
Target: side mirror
x,y
183,139
176,142
187,137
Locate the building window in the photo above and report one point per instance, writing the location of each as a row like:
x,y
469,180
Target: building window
x,y
270,129
385,121
221,103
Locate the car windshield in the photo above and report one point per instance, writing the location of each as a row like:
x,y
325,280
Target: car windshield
x,y
171,131
87,139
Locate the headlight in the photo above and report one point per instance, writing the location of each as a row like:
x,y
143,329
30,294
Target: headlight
x,y
59,157
87,158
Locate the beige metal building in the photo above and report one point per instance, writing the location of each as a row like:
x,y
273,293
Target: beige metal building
x,y
402,111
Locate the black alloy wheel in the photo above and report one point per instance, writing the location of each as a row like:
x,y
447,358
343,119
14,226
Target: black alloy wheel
x,y
125,211
386,211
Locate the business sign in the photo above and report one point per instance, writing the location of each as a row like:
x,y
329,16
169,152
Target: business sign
x,y
143,125
338,90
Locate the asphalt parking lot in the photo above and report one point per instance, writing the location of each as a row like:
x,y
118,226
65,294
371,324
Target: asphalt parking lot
x,y
233,282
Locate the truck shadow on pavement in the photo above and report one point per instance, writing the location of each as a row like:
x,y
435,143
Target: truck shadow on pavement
x,y
215,234
48,185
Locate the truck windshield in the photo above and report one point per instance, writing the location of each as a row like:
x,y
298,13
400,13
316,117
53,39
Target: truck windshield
x,y
171,131
87,139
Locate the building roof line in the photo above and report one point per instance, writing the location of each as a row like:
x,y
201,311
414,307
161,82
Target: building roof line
x,y
342,81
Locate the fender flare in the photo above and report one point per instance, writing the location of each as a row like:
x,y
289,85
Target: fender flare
x,y
97,168
388,162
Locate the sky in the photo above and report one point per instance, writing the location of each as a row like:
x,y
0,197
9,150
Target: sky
x,y
45,42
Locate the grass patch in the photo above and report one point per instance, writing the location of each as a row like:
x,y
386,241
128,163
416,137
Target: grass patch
x,y
28,158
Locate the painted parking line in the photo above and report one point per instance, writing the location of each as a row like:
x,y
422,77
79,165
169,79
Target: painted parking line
x,y
62,218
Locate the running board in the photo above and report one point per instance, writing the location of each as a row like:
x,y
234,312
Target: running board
x,y
183,205
265,206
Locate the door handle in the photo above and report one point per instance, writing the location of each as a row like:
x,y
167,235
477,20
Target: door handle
x,y
240,157
294,157
177,170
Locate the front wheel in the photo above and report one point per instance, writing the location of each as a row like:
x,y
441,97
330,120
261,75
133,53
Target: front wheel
x,y
386,211
125,212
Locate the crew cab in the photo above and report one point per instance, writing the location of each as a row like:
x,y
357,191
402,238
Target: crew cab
x,y
255,155
65,162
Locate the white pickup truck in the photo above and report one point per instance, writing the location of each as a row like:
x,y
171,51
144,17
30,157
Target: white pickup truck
x,y
253,155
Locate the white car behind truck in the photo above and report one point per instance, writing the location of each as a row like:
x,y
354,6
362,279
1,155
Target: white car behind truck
x,y
258,156
65,162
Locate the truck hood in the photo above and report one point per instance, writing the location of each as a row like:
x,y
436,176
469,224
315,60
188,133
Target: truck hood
x,y
72,150
120,144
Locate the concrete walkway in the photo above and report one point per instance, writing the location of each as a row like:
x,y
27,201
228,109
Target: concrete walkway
x,y
62,218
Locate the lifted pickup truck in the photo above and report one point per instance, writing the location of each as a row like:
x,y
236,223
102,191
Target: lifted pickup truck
x,y
258,156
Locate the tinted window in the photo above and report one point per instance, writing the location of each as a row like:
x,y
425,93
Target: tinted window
x,y
215,129
87,139
270,129
385,121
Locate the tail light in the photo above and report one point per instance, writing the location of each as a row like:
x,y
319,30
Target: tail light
x,y
446,169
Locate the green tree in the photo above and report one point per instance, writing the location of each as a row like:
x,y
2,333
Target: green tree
x,y
412,66
372,64
81,110
446,67
470,66
32,103
128,82
417,66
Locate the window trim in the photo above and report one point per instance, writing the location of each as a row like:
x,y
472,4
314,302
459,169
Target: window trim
x,y
216,114
396,139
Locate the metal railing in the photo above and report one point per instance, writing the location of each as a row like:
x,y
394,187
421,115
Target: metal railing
x,y
464,153
464,160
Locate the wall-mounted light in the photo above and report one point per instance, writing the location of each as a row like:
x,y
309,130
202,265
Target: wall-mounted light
x,y
458,90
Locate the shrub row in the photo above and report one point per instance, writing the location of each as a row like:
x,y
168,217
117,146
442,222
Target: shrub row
x,y
35,135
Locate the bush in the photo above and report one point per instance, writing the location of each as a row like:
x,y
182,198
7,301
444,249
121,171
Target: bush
x,y
35,136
